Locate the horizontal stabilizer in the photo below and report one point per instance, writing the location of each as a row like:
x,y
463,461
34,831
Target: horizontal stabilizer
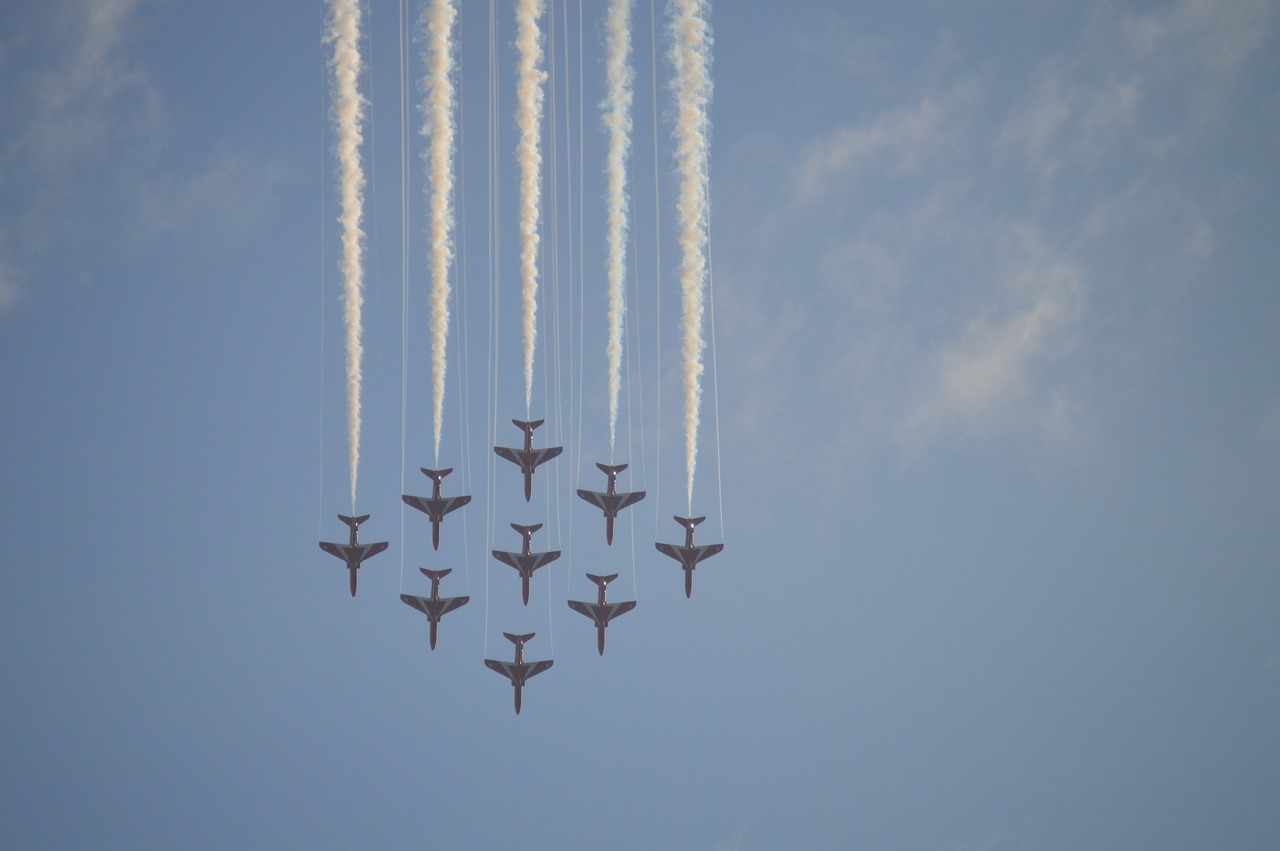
x,y
689,522
607,470
526,530
353,522
602,580
518,639
528,426
436,574
436,475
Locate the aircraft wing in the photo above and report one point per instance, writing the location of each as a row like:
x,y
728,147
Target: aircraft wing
x,y
621,608
453,503
536,668
332,549
625,499
595,498
419,502
669,550
541,456
415,602
451,603
582,608
539,559
510,454
509,559
501,667
367,550
707,551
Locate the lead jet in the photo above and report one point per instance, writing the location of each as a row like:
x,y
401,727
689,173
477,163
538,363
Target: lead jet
x,y
611,502
528,459
526,562
689,555
435,506
354,552
435,606
602,611
518,671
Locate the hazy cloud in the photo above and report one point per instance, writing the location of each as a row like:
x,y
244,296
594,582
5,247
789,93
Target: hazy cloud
x,y
901,140
986,378
230,196
8,288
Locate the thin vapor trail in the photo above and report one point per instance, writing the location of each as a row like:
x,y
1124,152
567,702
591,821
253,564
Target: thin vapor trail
x,y
529,95
617,120
348,115
438,128
691,56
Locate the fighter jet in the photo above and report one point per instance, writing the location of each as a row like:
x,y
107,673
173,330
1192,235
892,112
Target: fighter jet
x,y
602,612
518,671
689,555
437,506
528,458
524,561
435,606
611,502
354,552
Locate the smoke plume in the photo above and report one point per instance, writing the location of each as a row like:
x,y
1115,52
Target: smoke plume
x,y
691,56
529,94
437,127
617,121
348,115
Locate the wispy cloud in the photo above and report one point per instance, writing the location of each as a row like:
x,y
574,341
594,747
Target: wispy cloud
x,y
8,290
900,140
230,197
73,103
986,379
734,842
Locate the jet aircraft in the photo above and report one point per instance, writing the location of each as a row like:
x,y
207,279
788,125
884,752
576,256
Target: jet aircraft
x,y
611,502
354,552
518,671
526,562
435,606
528,459
602,611
436,506
689,555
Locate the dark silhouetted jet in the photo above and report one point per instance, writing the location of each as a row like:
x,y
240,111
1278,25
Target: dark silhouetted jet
x,y
437,506
435,606
354,552
611,502
518,671
528,459
524,561
602,611
689,555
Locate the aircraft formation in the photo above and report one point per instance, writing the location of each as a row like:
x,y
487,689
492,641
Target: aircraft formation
x,y
525,562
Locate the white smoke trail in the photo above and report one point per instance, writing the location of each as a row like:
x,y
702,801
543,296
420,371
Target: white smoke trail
x,y
691,56
437,127
529,94
348,114
617,120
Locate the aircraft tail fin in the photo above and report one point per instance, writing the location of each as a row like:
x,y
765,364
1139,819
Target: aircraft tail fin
x,y
526,530
518,640
602,580
527,426
353,522
436,574
611,471
689,522
436,475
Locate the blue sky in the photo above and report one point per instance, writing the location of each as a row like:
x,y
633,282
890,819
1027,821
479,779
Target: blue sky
x,y
996,465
